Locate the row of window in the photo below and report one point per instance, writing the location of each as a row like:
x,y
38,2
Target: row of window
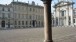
x,y
63,12
6,9
23,9
35,10
30,9
22,16
3,15
28,16
74,21
26,22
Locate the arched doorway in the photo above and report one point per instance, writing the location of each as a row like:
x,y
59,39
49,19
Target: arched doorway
x,y
3,24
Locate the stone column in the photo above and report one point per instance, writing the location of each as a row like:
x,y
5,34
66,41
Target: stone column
x,y
67,16
59,17
47,21
72,24
55,17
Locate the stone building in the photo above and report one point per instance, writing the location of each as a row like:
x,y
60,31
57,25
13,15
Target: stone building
x,y
21,15
74,16
27,15
6,16
64,13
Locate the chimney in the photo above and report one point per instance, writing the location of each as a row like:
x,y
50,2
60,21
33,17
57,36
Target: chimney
x,y
17,0
28,2
33,3
13,0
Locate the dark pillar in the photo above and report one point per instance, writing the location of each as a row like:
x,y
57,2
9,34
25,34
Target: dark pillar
x,y
47,21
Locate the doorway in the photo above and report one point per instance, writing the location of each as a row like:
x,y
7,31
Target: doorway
x,y
3,24
33,23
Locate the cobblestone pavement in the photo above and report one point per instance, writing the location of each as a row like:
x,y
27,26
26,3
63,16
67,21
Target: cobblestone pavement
x,y
60,34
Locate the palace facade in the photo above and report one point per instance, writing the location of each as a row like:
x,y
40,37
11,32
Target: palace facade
x,y
21,15
6,16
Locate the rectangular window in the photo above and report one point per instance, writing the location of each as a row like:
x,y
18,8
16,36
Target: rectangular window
x,y
62,13
19,22
69,20
15,22
8,15
8,9
3,9
22,22
73,20
56,21
3,15
26,22
30,9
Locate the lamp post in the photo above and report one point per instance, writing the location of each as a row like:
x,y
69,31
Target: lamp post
x,y
47,21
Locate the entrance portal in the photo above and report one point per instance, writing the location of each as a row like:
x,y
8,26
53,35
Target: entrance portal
x,y
3,24
33,23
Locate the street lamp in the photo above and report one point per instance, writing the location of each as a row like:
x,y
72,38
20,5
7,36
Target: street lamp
x,y
47,21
